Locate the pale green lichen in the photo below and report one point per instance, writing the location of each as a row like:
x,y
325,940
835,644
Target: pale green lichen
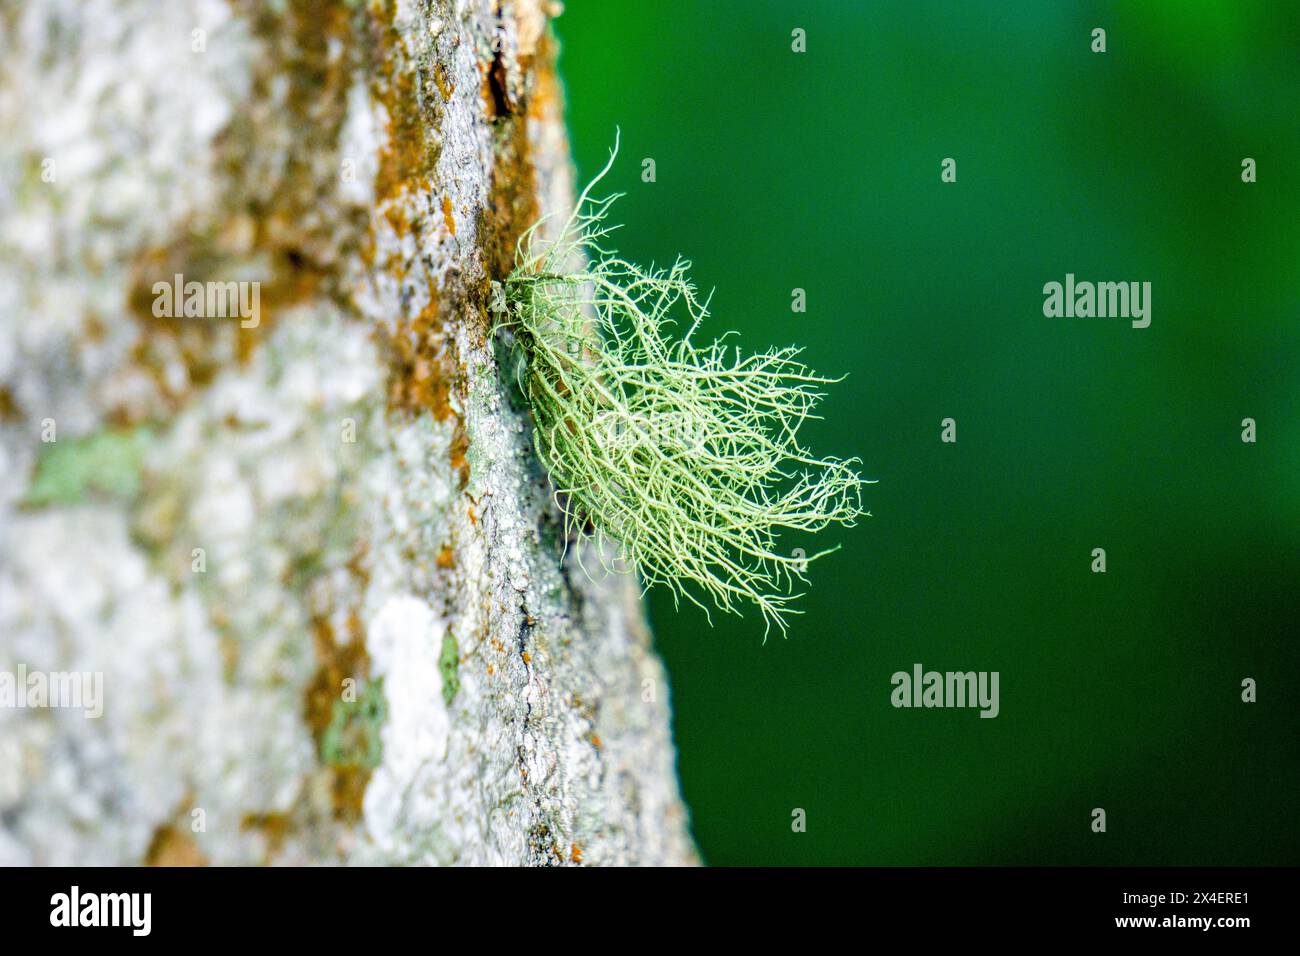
x,y
685,456
107,463
448,663
353,738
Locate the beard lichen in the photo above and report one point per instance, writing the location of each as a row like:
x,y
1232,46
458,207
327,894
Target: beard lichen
x,y
685,457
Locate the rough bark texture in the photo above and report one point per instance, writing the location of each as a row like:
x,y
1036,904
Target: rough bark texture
x,y
356,469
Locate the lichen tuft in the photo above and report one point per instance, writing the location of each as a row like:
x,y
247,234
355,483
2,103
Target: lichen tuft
x,y
685,457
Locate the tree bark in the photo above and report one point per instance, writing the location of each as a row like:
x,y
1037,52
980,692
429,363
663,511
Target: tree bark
x,y
314,558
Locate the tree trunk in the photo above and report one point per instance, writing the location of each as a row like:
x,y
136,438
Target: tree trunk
x,y
308,545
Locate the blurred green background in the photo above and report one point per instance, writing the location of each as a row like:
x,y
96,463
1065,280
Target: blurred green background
x,y
821,170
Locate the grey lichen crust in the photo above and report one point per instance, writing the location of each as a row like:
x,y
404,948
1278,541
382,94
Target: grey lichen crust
x,y
235,524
